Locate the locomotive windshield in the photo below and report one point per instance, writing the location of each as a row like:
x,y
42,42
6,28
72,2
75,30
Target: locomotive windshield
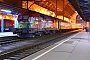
x,y
23,21
23,18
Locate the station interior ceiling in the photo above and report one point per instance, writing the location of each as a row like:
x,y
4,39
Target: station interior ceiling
x,y
61,7
52,5
67,7
83,8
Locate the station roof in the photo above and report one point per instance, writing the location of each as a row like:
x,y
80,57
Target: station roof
x,y
14,8
54,5
82,7
11,7
57,6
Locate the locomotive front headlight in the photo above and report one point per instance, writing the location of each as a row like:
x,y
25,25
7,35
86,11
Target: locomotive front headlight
x,y
20,25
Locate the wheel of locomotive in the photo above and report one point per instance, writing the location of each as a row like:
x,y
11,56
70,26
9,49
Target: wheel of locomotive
x,y
33,35
40,34
51,32
54,32
20,36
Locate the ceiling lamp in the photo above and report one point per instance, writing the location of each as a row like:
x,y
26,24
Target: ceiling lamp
x,y
5,11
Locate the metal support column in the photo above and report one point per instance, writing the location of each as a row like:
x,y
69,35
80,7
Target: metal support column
x,y
27,4
15,21
2,23
56,9
56,14
63,10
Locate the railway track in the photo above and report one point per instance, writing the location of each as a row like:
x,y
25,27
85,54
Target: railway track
x,y
28,46
8,40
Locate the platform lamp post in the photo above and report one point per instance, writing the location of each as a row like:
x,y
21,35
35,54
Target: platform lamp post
x,y
2,11
2,23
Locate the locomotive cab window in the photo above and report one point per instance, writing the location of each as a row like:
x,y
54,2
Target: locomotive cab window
x,y
23,18
19,18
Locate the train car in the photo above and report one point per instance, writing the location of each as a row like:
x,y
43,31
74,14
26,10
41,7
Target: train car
x,y
8,25
31,24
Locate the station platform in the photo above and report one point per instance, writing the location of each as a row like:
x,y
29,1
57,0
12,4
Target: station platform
x,y
75,47
7,34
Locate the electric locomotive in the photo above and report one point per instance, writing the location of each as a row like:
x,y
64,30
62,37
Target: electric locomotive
x,y
31,24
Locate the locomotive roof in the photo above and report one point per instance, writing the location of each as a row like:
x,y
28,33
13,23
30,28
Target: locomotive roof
x,y
31,14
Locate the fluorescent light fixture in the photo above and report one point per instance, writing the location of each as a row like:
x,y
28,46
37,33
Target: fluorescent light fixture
x,y
78,24
9,14
7,11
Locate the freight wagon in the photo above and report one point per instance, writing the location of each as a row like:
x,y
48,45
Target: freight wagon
x,y
8,25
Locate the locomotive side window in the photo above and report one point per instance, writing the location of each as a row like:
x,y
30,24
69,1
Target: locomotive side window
x,y
31,21
19,18
25,18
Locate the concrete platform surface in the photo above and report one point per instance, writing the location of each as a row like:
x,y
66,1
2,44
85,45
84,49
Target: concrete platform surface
x,y
7,34
75,47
